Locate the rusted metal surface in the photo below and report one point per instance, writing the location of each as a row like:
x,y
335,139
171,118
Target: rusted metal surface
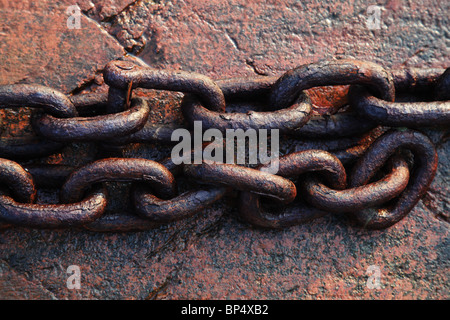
x,y
87,101
125,75
332,73
120,222
349,154
22,211
335,125
285,120
358,198
53,215
181,207
118,169
294,164
148,133
52,101
17,180
119,74
425,157
417,79
400,114
94,128
246,88
243,178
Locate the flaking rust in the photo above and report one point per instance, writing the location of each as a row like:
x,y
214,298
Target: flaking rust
x,y
307,183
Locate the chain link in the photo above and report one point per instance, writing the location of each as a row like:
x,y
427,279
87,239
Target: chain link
x,y
310,182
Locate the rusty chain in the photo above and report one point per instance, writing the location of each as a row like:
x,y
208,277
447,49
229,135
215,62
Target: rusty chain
x,y
370,162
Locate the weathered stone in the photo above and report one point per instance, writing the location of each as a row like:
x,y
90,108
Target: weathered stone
x,y
38,47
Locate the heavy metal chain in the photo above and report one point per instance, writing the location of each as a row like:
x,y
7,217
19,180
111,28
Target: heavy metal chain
x,y
370,161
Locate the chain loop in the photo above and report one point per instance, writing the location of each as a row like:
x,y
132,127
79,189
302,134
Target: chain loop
x,y
119,74
358,198
53,215
35,96
252,210
118,169
94,128
425,160
285,120
243,178
399,114
332,72
17,180
358,137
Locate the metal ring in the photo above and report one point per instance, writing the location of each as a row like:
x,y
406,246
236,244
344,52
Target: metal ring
x,y
120,74
334,72
118,169
53,215
50,100
285,120
243,178
358,198
425,159
246,88
252,210
94,128
416,79
17,180
343,124
352,153
412,114
183,206
35,96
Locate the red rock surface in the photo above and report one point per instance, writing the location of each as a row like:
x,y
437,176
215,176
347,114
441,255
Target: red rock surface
x,y
214,255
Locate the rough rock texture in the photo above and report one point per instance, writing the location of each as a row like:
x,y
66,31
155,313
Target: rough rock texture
x,y
214,255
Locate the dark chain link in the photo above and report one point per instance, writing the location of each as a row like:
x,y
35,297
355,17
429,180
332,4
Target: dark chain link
x,y
310,182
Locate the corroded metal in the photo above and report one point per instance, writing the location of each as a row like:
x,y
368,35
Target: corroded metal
x,y
356,137
243,178
118,169
425,160
50,100
53,215
119,74
358,198
285,120
332,72
18,181
252,209
94,128
336,125
181,207
399,114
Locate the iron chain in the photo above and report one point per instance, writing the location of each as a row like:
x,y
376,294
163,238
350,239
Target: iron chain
x,y
371,161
